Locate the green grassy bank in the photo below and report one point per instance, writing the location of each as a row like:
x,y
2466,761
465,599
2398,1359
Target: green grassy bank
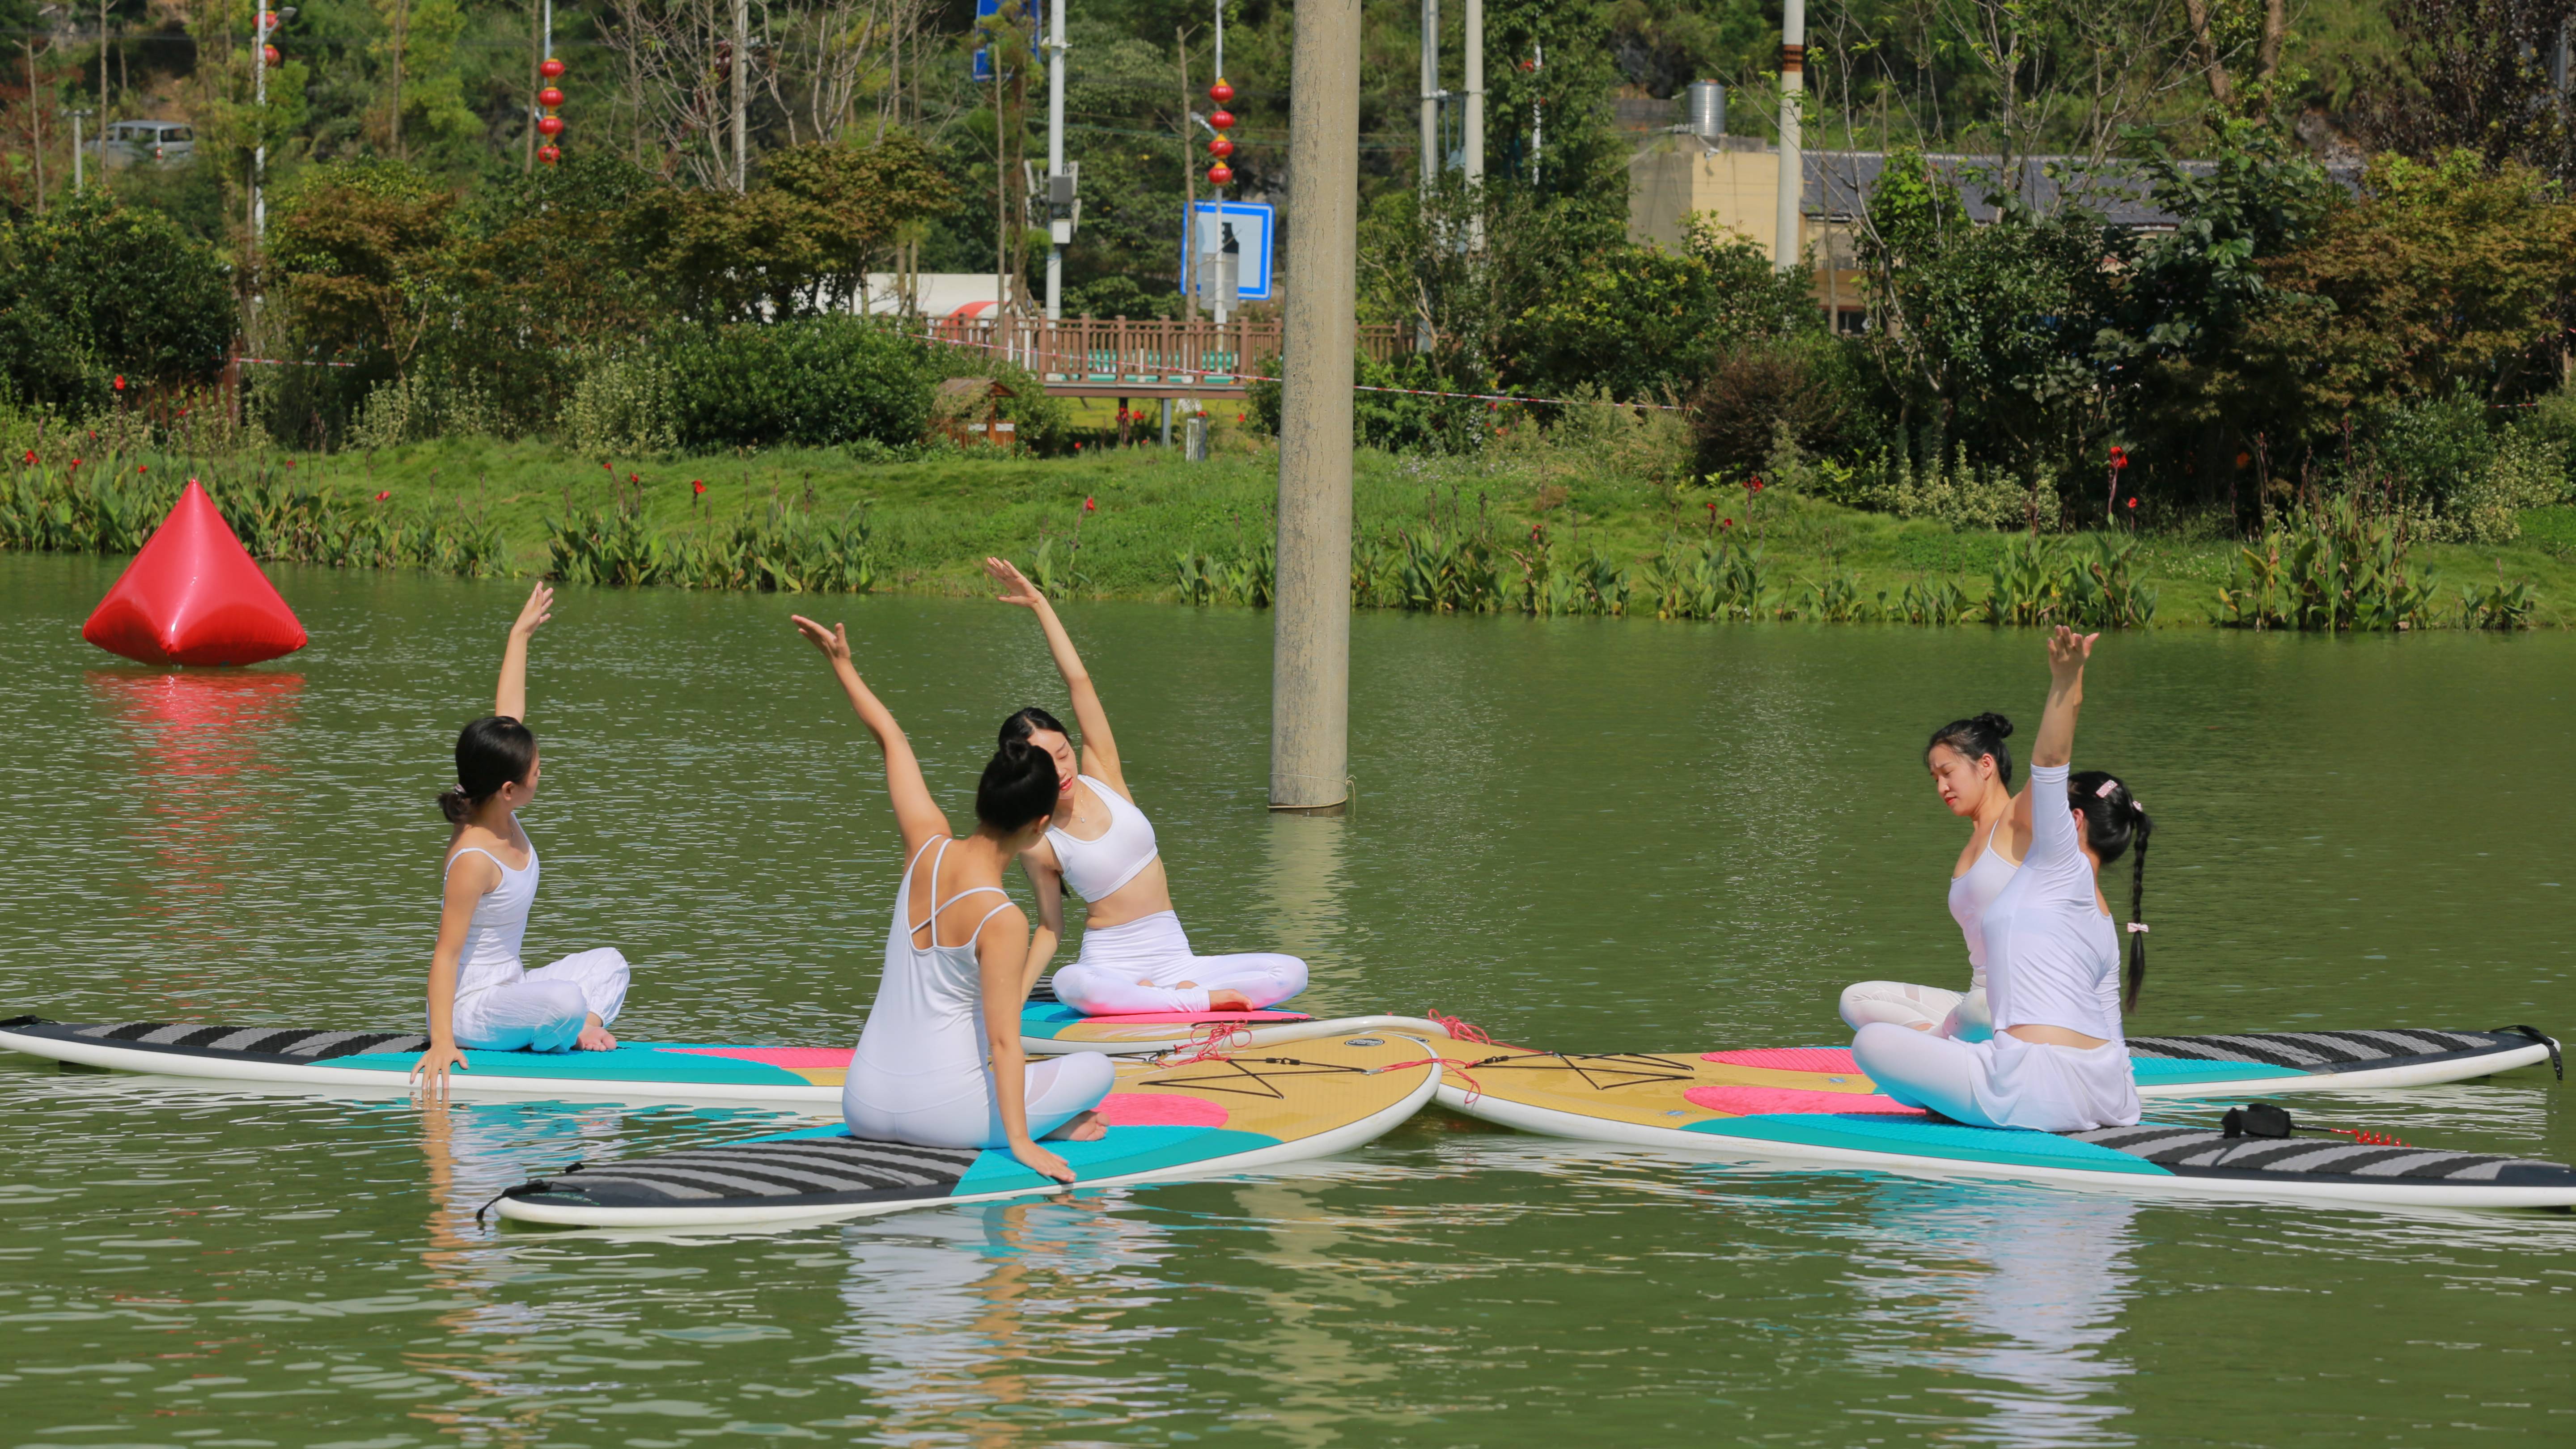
x,y
1115,520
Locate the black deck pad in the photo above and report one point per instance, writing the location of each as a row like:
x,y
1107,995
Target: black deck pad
x,y
822,1171
267,1043
2325,1051
2199,1152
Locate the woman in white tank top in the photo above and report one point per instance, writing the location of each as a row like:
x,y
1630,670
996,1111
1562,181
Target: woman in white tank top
x,y
2057,1061
1972,768
481,996
939,1063
1135,958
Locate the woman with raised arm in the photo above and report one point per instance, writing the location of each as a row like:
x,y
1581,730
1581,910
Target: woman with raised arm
x,y
2057,1062
1972,767
480,995
1135,957
924,1072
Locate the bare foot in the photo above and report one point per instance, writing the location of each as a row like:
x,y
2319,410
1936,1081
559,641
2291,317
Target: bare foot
x,y
594,1036
1086,1128
1229,1001
1918,1026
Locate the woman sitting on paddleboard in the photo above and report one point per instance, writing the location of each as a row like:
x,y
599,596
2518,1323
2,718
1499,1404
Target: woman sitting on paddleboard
x,y
480,997
2056,1062
1972,767
925,1072
1135,958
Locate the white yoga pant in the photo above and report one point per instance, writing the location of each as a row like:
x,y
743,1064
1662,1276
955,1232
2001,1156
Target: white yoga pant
x,y
1136,968
1057,1090
543,1010
1925,1008
2003,1081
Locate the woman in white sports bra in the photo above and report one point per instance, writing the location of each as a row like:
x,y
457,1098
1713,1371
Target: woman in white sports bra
x,y
939,1063
1135,958
1972,767
480,995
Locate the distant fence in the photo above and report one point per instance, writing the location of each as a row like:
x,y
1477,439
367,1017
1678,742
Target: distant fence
x,y
1124,357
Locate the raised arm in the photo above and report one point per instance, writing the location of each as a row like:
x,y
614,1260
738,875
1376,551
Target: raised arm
x,y
2054,849
920,820
2067,652
511,699
1099,750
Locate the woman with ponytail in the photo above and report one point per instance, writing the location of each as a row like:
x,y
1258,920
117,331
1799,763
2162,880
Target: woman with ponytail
x,y
939,1063
480,995
1972,767
2057,1061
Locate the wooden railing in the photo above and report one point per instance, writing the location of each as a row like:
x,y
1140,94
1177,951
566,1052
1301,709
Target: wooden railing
x,y
1123,357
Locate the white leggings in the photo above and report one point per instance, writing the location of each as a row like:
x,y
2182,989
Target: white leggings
x,y
1927,1008
1136,969
543,1010
2002,1081
1057,1090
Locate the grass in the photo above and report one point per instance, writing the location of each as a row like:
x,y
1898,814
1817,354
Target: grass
x,y
934,519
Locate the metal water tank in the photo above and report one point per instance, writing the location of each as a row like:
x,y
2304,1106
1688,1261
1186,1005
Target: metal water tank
x,y
1704,112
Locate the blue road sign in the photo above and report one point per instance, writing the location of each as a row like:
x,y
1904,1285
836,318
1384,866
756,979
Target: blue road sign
x,y
1246,228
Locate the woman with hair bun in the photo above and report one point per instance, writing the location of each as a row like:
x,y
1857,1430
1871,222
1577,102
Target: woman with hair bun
x,y
956,955
2057,1062
1135,957
480,996
1972,767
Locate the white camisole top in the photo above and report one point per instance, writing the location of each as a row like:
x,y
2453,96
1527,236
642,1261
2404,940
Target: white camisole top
x,y
2052,957
1970,894
1097,868
923,1045
491,954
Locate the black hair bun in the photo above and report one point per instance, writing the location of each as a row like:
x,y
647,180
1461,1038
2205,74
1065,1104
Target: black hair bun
x,y
2001,727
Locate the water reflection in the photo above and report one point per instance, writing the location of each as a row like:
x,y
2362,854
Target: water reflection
x,y
1305,908
2018,1291
1000,1325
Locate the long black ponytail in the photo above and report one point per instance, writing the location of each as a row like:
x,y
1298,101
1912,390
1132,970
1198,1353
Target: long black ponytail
x,y
2114,822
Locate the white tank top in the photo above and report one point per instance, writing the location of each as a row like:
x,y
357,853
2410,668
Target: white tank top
x,y
928,1016
491,954
2052,957
1096,868
1970,894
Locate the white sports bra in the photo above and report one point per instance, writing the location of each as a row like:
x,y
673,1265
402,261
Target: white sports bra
x,y
1971,893
1097,868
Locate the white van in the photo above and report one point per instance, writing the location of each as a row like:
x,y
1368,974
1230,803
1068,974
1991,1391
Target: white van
x,y
155,143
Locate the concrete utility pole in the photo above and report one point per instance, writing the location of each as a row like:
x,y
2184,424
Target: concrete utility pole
x,y
1793,171
1310,672
741,100
1430,93
1476,120
1059,231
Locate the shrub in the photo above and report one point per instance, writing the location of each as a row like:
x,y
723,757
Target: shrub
x,y
1754,392
813,383
96,289
621,403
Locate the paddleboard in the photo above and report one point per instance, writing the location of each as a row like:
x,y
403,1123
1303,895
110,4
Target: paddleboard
x,y
1048,1027
1194,1119
1795,1107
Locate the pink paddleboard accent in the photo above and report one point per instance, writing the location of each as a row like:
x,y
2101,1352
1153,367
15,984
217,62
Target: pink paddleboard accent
x,y
1186,1018
791,1058
1762,1101
1159,1109
1831,1060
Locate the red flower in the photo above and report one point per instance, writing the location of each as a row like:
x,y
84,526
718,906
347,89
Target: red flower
x,y
31,455
1077,447
1091,505
120,382
381,497
290,462
1726,523
1712,505
2133,503
139,468
75,462
631,478
697,485
604,468
1238,417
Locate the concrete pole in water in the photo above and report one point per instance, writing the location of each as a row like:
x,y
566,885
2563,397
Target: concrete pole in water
x,y
1310,678
1793,173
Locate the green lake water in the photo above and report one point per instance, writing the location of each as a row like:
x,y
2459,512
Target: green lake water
x,y
1592,834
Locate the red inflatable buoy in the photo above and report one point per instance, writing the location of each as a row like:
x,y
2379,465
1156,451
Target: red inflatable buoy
x,y
193,596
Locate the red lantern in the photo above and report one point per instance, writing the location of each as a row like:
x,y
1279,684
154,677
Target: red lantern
x,y
1221,147
1220,93
550,98
268,53
551,68
1221,119
549,155
267,21
1220,175
549,126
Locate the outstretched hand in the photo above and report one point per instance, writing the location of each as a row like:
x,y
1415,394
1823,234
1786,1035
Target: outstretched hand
x,y
1016,588
537,610
2068,650
834,642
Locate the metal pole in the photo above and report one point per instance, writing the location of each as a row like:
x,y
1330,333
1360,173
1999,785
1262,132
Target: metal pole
x,y
259,152
1430,93
1310,681
1226,286
79,177
1793,175
1055,154
741,106
1476,120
